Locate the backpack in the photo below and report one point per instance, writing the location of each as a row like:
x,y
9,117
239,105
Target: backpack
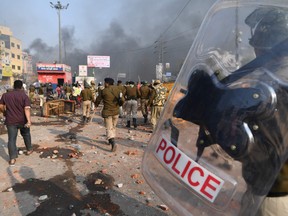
x,y
160,98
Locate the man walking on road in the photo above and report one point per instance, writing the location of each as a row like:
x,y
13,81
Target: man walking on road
x,y
131,96
17,112
123,91
93,90
109,95
157,101
86,97
144,93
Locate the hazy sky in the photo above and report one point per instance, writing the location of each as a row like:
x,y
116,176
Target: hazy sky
x,y
103,26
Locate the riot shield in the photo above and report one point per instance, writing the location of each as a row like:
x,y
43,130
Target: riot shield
x,y
222,137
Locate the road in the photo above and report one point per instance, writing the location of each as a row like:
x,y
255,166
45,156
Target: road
x,y
73,172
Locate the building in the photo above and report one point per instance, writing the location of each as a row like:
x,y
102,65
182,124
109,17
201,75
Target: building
x,y
27,69
11,57
56,74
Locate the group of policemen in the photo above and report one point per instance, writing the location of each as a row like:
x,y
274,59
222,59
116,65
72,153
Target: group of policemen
x,y
135,94
121,100
149,96
144,95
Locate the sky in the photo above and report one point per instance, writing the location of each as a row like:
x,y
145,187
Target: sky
x,y
126,30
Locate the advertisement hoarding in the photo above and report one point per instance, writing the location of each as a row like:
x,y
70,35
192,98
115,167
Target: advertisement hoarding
x,y
7,71
82,70
98,61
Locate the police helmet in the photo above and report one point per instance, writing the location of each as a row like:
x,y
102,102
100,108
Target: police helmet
x,y
268,27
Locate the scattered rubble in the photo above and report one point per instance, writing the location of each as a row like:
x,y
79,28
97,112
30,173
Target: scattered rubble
x,y
135,176
139,181
120,185
43,197
87,182
142,192
163,207
131,152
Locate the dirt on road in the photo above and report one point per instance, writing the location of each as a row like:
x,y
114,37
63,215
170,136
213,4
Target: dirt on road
x,y
73,172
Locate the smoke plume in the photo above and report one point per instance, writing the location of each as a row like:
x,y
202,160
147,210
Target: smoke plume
x,y
134,46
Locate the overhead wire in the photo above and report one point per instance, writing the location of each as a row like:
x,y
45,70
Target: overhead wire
x,y
168,27
175,19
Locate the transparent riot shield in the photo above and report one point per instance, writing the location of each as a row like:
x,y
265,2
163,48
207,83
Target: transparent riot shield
x,y
223,135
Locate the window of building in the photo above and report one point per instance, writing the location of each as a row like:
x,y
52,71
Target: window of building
x,y
12,44
18,57
19,67
18,46
13,55
13,67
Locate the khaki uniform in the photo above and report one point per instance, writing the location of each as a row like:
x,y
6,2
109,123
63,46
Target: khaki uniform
x,y
93,90
131,97
110,111
68,91
123,90
276,202
86,96
41,96
144,93
157,100
99,89
31,94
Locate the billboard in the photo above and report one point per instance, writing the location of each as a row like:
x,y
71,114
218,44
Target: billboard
x,y
82,70
52,67
98,61
121,75
7,71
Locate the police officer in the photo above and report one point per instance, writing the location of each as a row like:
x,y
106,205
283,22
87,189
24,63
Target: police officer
x,y
93,91
131,104
68,91
49,92
86,98
144,93
269,28
123,91
32,93
100,87
110,113
157,101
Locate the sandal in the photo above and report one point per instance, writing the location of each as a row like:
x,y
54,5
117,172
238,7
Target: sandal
x,y
12,162
29,152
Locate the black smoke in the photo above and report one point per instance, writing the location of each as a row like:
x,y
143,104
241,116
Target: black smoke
x,y
136,53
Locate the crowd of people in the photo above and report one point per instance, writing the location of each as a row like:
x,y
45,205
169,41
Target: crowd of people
x,y
143,95
118,101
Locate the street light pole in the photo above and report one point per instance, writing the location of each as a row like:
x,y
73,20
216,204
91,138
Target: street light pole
x,y
59,7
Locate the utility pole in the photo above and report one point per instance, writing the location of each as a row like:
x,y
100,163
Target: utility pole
x,y
160,47
59,7
160,50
